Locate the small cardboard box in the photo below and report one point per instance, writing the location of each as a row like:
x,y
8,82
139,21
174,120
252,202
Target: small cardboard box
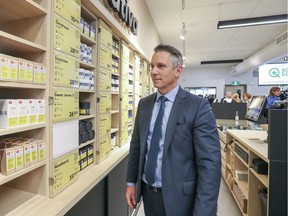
x,y
19,158
23,112
29,77
9,113
41,150
22,72
27,154
41,111
32,111
4,67
7,161
34,152
13,69
37,73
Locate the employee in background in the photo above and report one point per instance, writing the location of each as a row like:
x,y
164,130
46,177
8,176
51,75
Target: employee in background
x,y
174,163
236,98
247,98
274,94
228,98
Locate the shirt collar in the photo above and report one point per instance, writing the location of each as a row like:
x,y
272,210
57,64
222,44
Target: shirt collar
x,y
171,95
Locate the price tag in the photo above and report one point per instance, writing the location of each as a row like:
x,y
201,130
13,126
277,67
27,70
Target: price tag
x,y
66,37
66,105
66,71
65,170
70,10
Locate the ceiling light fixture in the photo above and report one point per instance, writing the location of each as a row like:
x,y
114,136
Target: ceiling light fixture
x,y
222,61
184,32
265,20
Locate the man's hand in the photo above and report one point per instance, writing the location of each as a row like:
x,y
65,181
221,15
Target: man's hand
x,y
131,196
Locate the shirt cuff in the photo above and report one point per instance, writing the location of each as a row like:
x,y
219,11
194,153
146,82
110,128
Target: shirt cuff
x,y
130,184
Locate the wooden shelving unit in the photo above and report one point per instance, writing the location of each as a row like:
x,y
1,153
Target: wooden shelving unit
x,y
245,192
50,33
31,44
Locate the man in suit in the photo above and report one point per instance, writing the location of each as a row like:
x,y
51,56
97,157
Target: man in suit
x,y
186,175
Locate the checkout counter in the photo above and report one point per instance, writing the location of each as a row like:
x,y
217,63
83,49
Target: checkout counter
x,y
254,166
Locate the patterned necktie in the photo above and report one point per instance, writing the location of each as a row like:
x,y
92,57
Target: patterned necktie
x,y
154,145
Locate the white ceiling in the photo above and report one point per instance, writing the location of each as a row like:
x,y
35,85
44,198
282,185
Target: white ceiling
x,y
204,42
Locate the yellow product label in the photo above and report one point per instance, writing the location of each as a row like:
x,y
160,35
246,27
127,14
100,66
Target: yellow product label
x,y
70,10
105,58
41,150
125,52
23,120
105,103
104,125
34,153
19,161
41,118
4,67
19,158
32,119
90,160
4,72
22,70
66,37
12,122
66,71
43,75
66,105
29,73
104,80
11,164
64,171
105,35
13,70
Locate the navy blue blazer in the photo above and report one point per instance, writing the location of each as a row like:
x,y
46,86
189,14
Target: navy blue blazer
x,y
191,166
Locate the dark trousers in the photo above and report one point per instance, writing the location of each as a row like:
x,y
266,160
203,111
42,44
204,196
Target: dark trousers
x,y
153,201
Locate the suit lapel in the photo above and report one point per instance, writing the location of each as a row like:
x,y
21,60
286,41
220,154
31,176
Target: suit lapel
x,y
177,109
146,118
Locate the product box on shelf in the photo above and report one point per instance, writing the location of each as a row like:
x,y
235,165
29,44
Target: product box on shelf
x,y
4,67
32,111
23,112
41,111
7,160
41,150
13,68
8,113
27,154
241,175
25,71
19,158
39,73
34,152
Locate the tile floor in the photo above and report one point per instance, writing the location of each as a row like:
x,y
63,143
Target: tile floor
x,y
226,202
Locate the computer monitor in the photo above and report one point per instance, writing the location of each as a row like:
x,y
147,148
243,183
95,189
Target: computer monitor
x,y
256,109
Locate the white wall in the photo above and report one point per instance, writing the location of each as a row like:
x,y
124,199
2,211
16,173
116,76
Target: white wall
x,y
217,76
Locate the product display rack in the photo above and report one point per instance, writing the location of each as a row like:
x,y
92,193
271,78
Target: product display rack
x,y
50,33
31,44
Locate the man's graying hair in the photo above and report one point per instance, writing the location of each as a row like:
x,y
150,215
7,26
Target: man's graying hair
x,y
176,55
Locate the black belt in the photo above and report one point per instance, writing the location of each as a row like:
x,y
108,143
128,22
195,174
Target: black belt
x,y
154,189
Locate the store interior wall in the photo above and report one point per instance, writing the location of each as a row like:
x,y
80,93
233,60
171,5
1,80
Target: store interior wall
x,y
219,77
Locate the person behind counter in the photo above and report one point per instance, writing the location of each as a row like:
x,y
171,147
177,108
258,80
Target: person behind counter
x,y
247,98
273,96
228,98
236,98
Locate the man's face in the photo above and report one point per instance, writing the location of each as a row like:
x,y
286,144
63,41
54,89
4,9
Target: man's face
x,y
164,77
